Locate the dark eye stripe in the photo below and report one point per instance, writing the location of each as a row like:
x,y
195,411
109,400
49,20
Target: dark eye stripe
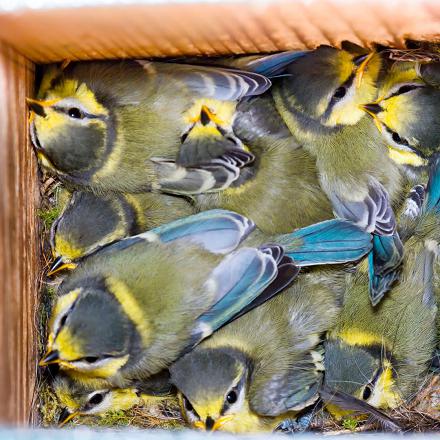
x,y
396,138
347,84
65,110
405,89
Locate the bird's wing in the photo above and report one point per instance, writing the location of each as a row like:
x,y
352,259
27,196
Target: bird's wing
x,y
202,150
215,175
289,389
349,402
218,231
433,190
237,281
383,265
374,213
329,242
219,83
287,271
270,65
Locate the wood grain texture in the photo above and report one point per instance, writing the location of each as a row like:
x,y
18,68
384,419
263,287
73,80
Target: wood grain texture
x,y
157,29
19,242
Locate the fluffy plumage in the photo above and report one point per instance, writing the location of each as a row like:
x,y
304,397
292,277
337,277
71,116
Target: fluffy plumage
x,y
98,124
269,358
133,307
406,111
320,103
382,355
90,221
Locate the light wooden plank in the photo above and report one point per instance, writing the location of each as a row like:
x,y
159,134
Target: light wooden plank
x,y
19,244
108,29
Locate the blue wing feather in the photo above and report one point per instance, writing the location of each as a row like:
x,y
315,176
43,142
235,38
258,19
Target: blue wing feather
x,y
217,230
273,65
240,278
433,190
383,265
328,242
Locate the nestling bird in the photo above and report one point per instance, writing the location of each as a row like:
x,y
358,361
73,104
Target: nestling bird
x,y
382,355
265,366
99,124
146,150
320,101
94,397
90,221
132,308
406,111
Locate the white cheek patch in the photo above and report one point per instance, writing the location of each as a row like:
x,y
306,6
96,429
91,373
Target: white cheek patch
x,y
105,406
87,366
238,405
71,103
190,416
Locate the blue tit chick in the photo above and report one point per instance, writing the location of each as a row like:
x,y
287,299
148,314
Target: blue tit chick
x,y
382,355
99,124
94,397
320,101
90,221
265,366
406,111
279,190
135,306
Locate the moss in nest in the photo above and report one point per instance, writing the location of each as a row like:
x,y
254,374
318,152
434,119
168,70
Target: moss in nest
x,y
164,415
350,424
48,405
48,216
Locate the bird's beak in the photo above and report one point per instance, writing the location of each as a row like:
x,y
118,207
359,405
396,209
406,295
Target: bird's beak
x,y
211,425
373,109
52,357
59,264
36,107
361,69
205,115
65,416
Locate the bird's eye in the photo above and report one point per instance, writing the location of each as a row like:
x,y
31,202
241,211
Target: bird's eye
x,y
75,113
91,359
367,392
63,320
96,399
406,88
340,92
183,137
187,404
231,397
398,140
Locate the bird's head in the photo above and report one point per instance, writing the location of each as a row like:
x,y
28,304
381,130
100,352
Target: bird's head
x,y
406,113
91,398
69,125
329,84
363,369
214,398
87,223
90,333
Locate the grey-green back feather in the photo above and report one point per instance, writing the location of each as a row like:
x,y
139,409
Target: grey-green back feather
x,y
278,339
